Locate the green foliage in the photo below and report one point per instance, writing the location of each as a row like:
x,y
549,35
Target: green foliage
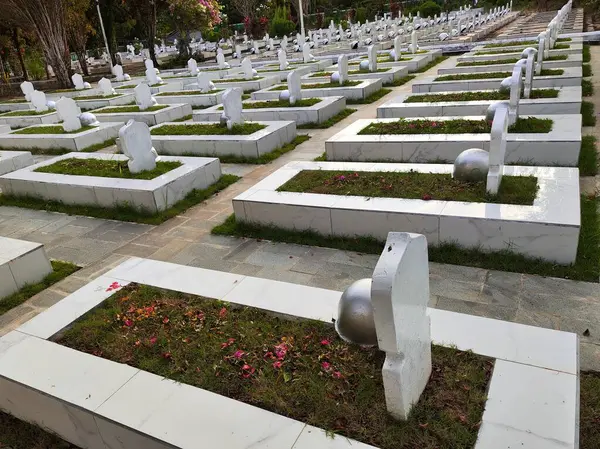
x,y
281,25
361,15
588,157
428,9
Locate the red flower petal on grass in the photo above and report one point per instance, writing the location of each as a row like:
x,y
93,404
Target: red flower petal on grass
x,y
238,354
222,312
337,375
166,320
167,355
277,364
326,365
128,323
325,342
426,197
152,340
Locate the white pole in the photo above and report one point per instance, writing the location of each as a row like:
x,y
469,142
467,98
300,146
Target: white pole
x,y
104,34
301,18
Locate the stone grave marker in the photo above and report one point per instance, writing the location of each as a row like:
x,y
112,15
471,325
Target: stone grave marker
x,y
143,96
151,75
27,89
399,295
106,87
221,59
204,82
516,86
372,55
397,48
497,149
192,66
539,64
118,72
343,68
38,100
247,69
78,81
529,70
69,113
232,107
413,42
136,143
294,86
255,46
282,58
307,57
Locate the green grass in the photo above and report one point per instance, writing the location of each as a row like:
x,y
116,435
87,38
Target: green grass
x,y
477,96
433,63
587,55
99,146
585,268
50,129
499,52
127,86
184,118
16,100
127,109
320,85
60,91
588,115
590,410
60,271
59,151
296,368
124,211
321,158
587,88
586,70
400,81
187,92
358,72
97,97
519,190
105,168
26,113
492,75
523,43
329,122
236,80
371,98
302,103
456,126
588,157
320,74
508,61
215,129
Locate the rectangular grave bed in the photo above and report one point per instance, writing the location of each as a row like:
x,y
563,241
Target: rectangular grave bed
x,y
151,195
571,76
89,102
191,97
104,168
21,119
252,84
387,76
45,137
411,62
319,112
302,358
152,116
14,160
479,54
571,61
14,105
21,263
542,102
529,388
544,229
251,140
70,93
282,74
360,91
560,146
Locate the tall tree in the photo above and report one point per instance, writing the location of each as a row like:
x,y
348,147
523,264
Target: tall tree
x,y
78,29
146,13
47,18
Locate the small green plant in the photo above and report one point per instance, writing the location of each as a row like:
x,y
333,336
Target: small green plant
x,y
588,157
587,88
281,25
588,115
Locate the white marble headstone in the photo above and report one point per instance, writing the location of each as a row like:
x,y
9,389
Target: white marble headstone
x,y
221,59
307,57
294,86
204,82
529,70
136,144
255,46
69,113
343,68
397,48
151,75
38,100
372,55
106,87
400,294
192,66
413,42
247,68
282,58
78,81
27,89
284,42
232,106
497,150
539,64
516,87
143,96
118,71
238,51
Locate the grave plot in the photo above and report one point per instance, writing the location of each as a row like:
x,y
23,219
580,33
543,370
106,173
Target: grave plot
x,y
549,78
191,97
565,45
18,104
40,114
499,65
21,263
387,75
146,110
517,391
247,79
107,96
78,132
491,54
14,160
353,90
248,140
136,180
412,62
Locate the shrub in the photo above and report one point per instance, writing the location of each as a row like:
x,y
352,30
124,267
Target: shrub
x,y
429,9
281,25
361,15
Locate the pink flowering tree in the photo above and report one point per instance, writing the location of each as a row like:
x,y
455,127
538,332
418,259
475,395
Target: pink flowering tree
x,y
186,16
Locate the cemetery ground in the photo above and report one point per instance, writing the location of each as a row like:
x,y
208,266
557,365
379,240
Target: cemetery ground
x,y
507,292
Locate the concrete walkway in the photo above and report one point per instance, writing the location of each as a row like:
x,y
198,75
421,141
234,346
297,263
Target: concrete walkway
x,y
99,245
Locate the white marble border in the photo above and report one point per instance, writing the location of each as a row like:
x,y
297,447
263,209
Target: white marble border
x,y
573,60
548,229
167,114
14,160
560,146
100,404
22,121
360,91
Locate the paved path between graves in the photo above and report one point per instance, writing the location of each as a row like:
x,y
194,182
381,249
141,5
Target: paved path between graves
x,y
99,245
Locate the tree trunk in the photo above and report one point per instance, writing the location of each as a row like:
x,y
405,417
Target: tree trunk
x,y
83,62
152,32
109,27
20,54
